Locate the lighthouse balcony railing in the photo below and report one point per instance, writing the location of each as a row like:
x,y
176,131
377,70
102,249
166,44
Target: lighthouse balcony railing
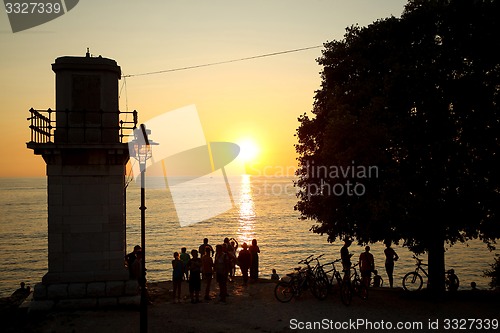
x,y
62,126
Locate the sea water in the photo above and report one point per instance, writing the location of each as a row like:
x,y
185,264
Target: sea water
x,y
263,210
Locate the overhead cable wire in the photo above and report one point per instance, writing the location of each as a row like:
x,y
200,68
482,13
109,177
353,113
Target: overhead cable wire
x,y
223,62
124,85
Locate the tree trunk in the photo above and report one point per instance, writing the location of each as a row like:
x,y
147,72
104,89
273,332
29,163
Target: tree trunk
x,y
436,266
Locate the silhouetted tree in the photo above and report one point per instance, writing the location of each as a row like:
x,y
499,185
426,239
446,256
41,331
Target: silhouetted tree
x,y
417,99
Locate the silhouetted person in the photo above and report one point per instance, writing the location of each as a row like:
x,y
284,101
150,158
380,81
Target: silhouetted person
x,y
473,286
244,261
377,279
130,258
185,258
205,245
194,266
207,268
221,263
345,256
390,257
229,249
254,268
177,275
23,291
234,245
137,273
274,275
452,281
366,266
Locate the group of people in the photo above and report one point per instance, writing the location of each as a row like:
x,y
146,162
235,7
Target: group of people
x,y
206,262
366,263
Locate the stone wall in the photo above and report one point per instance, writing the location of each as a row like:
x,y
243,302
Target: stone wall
x,y
85,295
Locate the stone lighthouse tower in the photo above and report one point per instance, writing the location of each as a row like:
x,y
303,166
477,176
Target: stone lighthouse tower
x,y
81,144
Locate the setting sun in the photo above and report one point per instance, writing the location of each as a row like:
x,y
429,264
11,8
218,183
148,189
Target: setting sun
x,y
249,150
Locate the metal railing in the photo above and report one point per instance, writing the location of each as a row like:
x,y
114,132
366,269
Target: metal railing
x,y
44,123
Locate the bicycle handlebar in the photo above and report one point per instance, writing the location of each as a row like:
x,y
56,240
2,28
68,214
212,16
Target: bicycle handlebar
x,y
419,261
306,260
319,256
310,258
354,266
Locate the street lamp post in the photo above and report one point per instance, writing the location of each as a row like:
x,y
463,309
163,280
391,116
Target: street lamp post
x,y
144,294
142,152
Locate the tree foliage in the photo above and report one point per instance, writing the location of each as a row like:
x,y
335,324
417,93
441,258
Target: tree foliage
x,y
494,273
417,97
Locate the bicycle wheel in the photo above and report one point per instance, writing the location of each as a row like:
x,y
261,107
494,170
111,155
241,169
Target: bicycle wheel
x,y
412,282
336,286
320,274
284,291
322,284
346,293
319,288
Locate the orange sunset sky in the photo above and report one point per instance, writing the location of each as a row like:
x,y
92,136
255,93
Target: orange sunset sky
x,y
254,103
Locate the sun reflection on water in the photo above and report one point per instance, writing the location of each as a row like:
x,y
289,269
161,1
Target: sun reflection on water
x,y
246,219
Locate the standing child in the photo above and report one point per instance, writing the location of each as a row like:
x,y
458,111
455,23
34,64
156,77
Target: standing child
x,y
177,274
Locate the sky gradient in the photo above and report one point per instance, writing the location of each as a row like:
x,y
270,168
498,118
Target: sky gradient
x,y
256,100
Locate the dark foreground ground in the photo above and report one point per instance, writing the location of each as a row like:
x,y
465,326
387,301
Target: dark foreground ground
x,y
254,309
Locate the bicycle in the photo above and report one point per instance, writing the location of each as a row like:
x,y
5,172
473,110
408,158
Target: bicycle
x,y
331,275
333,278
286,290
413,281
353,284
320,286
302,279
